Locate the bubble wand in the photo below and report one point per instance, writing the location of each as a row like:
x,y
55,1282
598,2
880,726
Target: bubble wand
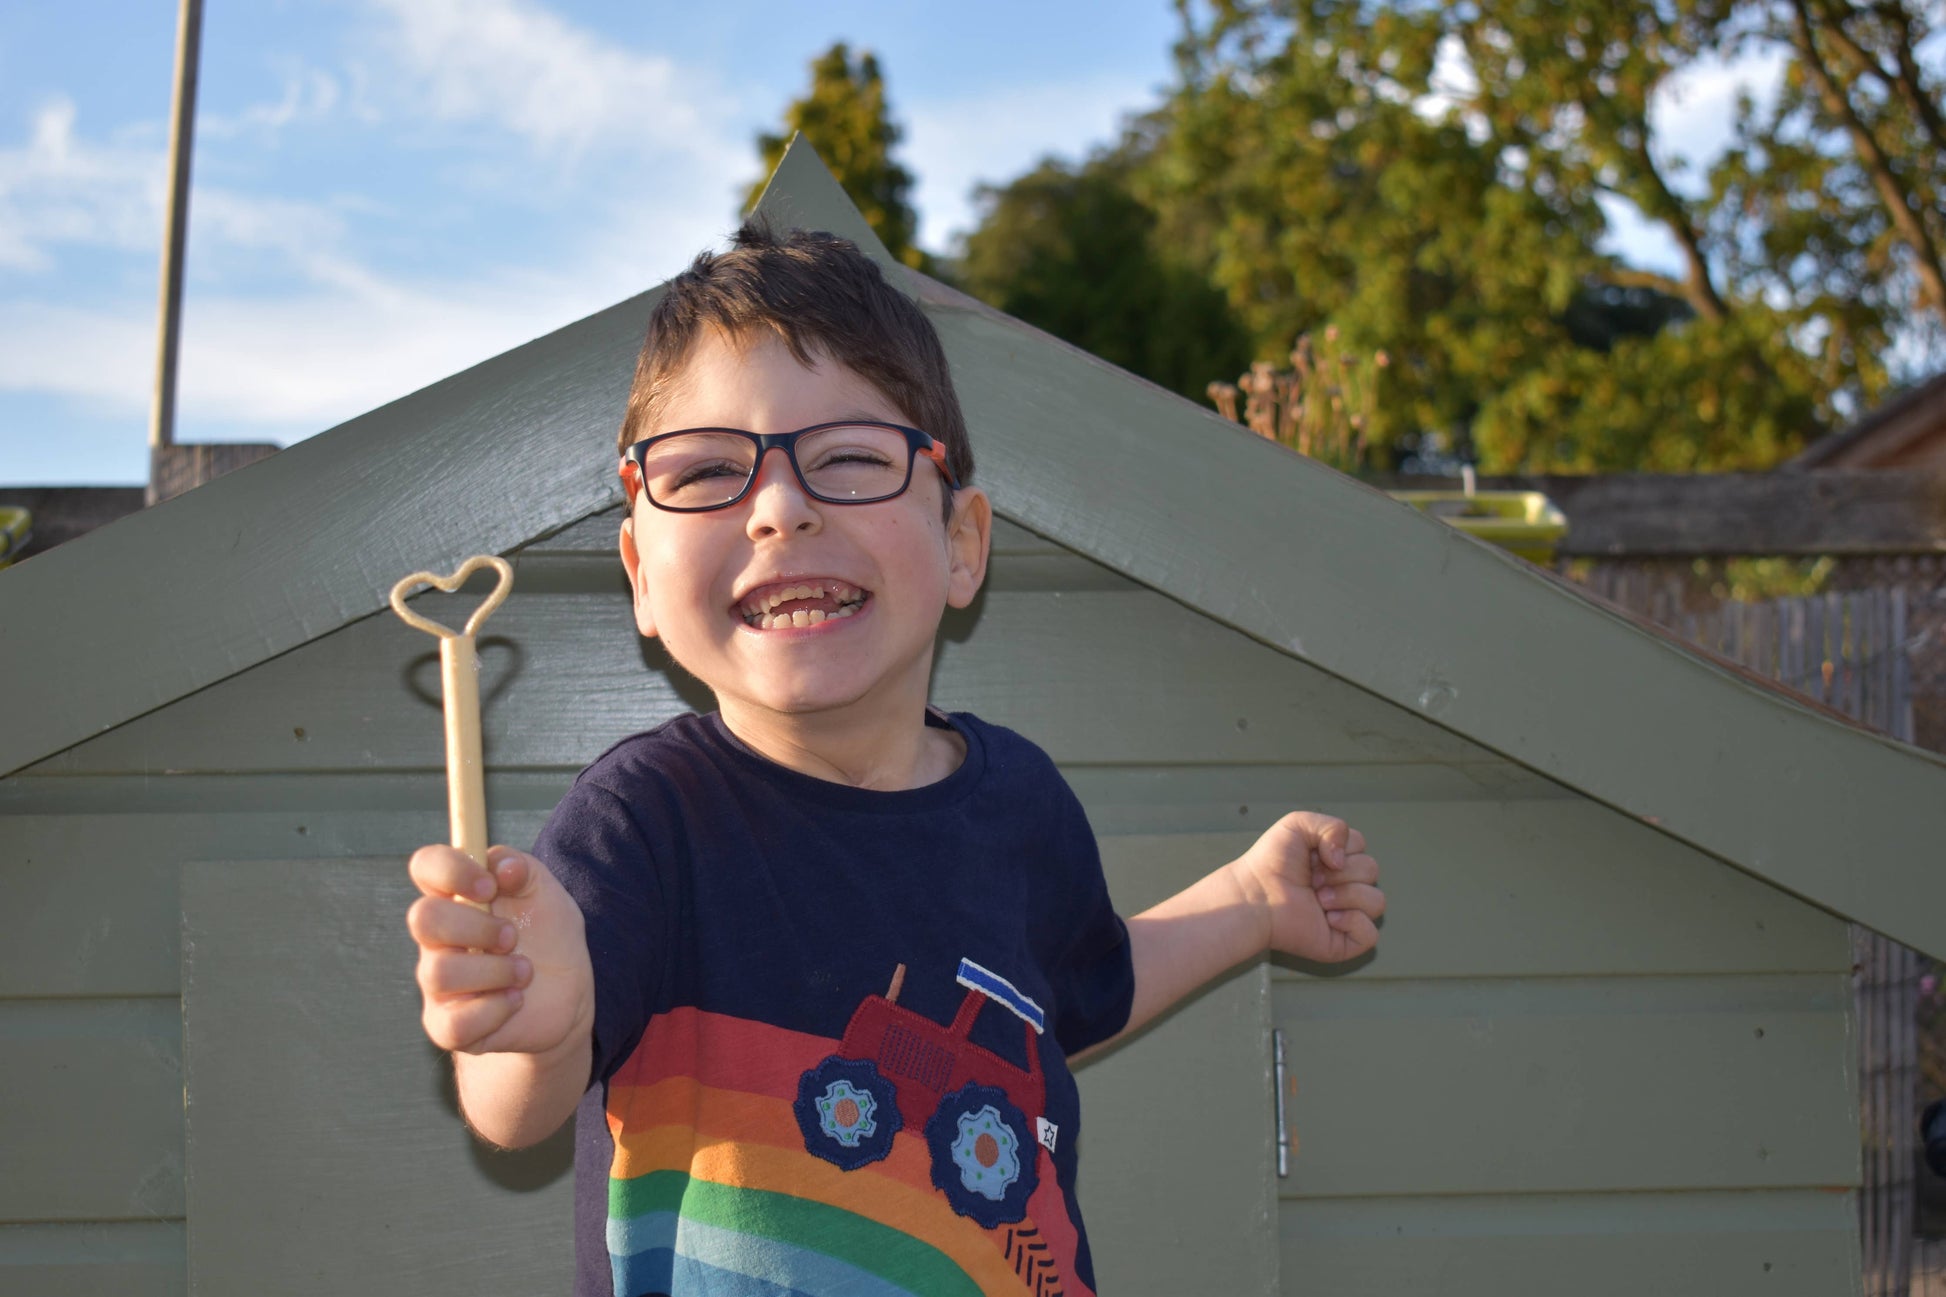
x,y
459,678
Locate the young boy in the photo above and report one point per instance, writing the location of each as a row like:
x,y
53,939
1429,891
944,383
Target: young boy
x,y
810,971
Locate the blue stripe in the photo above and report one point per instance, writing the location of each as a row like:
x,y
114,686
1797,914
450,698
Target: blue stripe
x,y
971,975
659,1253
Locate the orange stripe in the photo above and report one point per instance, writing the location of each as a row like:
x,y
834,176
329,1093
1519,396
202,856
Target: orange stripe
x,y
669,1119
745,1141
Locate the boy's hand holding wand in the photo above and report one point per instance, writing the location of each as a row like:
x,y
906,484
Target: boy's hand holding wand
x,y
503,960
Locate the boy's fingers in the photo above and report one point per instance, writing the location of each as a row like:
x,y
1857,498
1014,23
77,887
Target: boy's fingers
x,y
1356,928
1359,868
461,1024
1332,837
436,921
439,870
1347,897
447,973
514,872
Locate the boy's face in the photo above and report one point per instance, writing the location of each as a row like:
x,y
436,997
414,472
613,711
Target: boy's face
x,y
702,582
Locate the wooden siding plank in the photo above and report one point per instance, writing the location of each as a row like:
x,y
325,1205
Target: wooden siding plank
x,y
1785,1243
380,1189
91,861
1536,889
264,559
1092,676
98,890
87,1260
1568,1085
111,1069
1207,1225
1456,631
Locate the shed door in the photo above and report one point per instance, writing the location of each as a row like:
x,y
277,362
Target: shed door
x,y
325,1151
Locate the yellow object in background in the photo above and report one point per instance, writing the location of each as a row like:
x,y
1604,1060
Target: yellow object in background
x,y
1526,523
16,526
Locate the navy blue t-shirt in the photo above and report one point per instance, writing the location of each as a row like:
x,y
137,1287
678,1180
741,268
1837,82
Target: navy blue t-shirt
x,y
832,1023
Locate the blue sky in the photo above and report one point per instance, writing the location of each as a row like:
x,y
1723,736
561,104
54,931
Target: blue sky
x,y
387,191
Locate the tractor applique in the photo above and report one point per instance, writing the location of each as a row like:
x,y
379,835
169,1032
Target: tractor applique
x,y
981,1115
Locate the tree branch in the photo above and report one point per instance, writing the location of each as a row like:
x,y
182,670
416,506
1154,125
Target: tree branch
x,y
1905,80
1699,289
1932,276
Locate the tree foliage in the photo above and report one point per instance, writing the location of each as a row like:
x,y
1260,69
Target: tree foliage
x,y
1428,177
845,117
1069,249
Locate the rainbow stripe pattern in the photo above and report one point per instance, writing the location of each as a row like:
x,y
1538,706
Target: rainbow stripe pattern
x,y
712,1189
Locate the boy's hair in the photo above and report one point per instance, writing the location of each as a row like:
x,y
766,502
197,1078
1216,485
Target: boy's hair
x,y
817,293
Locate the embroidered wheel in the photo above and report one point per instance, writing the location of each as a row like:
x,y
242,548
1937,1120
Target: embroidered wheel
x,y
847,1112
983,1155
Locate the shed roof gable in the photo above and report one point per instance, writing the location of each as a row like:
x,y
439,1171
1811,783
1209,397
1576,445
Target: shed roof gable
x,y
1270,543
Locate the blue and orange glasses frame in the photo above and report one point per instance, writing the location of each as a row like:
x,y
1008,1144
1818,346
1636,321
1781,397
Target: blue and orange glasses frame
x,y
634,474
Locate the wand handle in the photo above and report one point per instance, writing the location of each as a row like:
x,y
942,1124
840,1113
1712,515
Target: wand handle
x,y
459,677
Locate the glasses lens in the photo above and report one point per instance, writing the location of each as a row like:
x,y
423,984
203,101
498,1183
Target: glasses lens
x,y
855,463
697,470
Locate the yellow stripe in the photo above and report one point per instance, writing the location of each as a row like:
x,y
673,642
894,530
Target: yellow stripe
x,y
747,1141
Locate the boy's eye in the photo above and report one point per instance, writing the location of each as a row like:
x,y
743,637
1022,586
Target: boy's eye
x,y
703,472
844,455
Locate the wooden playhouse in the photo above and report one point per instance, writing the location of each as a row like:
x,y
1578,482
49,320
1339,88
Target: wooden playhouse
x,y
1604,1047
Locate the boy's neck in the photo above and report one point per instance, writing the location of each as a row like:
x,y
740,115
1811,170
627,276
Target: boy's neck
x,y
845,746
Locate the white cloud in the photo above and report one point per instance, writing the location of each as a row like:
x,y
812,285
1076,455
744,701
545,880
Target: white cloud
x,y
954,145
59,189
559,86
309,95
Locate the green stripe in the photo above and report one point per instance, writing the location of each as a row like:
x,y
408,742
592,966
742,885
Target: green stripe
x,y
892,1255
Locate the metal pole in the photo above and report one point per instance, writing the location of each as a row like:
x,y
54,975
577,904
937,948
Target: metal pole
x,y
182,135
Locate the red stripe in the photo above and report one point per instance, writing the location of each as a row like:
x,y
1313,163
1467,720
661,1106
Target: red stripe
x,y
724,1053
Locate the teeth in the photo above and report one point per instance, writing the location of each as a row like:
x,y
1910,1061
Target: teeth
x,y
761,613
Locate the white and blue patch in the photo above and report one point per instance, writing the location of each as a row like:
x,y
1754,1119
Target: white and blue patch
x,y
998,988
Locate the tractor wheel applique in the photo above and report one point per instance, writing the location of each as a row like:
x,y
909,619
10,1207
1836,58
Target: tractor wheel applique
x,y
984,1158
847,1112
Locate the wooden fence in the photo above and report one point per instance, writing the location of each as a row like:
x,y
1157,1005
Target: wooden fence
x,y
1850,651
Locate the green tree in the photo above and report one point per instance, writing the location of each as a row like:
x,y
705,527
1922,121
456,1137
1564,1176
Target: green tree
x,y
1428,177
1070,249
845,117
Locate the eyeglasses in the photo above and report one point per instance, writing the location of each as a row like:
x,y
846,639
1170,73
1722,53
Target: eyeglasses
x,y
698,469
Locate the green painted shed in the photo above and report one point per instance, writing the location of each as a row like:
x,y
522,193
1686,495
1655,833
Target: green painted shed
x,y
1605,1045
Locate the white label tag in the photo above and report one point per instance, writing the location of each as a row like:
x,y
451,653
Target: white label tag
x,y
1045,1131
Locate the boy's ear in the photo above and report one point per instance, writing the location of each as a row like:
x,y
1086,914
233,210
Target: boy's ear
x,y
969,536
638,585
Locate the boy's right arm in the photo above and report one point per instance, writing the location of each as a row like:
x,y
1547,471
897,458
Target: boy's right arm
x,y
509,991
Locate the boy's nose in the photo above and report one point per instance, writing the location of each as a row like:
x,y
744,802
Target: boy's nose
x,y
778,504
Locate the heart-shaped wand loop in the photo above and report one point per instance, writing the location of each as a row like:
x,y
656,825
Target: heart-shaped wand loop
x,y
459,678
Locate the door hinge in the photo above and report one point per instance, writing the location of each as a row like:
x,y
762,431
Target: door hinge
x,y
1283,1131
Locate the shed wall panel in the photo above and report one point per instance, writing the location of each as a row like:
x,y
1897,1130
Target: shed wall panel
x,y
1536,889
136,1258
1792,1243
91,1123
1570,1085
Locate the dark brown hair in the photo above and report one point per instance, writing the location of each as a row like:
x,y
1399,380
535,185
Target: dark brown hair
x,y
817,293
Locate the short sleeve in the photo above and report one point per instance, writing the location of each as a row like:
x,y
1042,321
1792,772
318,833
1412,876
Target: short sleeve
x,y
1094,977
595,848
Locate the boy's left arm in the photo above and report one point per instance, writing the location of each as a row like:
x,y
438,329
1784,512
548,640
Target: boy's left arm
x,y
1306,888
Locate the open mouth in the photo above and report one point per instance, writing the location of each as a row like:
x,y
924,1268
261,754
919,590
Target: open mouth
x,y
800,604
